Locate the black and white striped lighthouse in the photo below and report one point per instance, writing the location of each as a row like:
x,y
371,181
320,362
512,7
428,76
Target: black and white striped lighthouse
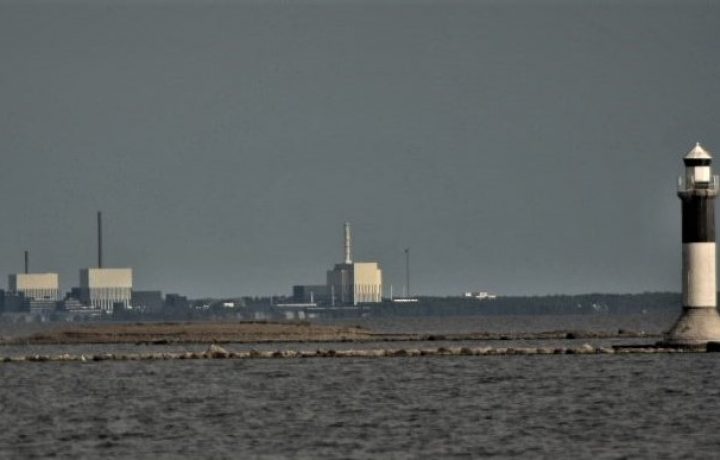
x,y
699,322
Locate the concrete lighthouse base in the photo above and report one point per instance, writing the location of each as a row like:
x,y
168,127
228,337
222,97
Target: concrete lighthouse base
x,y
695,327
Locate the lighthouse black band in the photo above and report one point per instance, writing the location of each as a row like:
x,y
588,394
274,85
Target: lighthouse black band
x,y
697,161
698,220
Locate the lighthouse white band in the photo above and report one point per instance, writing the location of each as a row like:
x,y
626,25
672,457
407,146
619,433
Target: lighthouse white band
x,y
699,275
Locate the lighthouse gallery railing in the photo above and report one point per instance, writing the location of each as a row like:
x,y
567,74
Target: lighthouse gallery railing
x,y
687,184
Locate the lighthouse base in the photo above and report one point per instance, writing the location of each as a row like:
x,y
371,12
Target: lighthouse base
x,y
695,327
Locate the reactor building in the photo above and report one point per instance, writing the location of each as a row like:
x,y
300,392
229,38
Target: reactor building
x,y
34,287
104,288
354,282
37,290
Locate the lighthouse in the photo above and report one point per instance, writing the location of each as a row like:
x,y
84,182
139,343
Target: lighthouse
x,y
699,322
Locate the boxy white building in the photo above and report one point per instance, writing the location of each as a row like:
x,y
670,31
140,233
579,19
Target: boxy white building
x,y
104,287
354,283
35,286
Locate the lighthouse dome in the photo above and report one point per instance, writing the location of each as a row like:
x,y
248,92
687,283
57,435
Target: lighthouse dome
x,y
698,153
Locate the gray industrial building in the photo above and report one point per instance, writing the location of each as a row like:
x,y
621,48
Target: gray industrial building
x,y
311,293
147,301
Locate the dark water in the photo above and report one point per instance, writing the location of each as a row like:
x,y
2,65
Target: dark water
x,y
650,406
557,406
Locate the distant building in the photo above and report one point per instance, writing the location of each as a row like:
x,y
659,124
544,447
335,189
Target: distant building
x,y
354,282
35,286
176,302
480,295
12,303
149,301
103,288
311,293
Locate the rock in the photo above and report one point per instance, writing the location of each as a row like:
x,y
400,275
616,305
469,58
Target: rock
x,y
216,352
38,358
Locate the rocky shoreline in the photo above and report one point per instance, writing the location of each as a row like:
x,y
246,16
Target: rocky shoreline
x,y
217,352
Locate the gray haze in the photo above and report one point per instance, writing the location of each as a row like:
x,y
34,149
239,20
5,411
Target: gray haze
x,y
518,147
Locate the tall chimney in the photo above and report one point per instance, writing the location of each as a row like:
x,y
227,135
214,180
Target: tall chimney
x,y
27,262
99,235
407,272
348,257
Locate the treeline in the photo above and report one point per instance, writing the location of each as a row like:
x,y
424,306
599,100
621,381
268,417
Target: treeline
x,y
534,305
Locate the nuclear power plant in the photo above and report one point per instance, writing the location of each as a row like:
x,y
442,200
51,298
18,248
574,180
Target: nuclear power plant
x,y
39,290
348,283
103,288
354,282
699,322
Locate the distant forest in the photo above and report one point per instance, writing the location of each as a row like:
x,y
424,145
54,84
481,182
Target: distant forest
x,y
535,305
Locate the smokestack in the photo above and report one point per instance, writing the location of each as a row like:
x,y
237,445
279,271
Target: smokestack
x,y
407,272
99,235
348,257
27,262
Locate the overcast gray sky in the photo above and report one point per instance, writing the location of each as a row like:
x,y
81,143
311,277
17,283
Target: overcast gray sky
x,y
517,147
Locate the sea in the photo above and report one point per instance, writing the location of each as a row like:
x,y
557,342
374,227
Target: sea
x,y
540,406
